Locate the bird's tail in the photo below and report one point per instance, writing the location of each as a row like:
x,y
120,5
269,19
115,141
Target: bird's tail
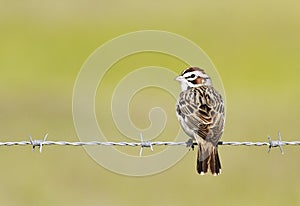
x,y
208,159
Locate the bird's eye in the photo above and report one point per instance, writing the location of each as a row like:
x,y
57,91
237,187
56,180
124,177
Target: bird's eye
x,y
193,75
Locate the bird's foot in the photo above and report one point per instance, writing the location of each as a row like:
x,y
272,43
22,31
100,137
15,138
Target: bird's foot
x,y
190,144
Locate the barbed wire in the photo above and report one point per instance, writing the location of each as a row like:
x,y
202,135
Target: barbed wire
x,y
143,144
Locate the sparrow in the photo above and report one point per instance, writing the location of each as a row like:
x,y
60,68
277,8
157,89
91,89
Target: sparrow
x,y
200,112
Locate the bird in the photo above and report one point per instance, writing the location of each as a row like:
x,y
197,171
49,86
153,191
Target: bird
x,y
201,114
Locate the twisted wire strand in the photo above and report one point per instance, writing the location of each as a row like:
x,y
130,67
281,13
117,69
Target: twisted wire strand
x,y
40,143
144,144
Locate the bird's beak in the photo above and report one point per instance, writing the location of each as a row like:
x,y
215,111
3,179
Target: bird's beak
x,y
179,78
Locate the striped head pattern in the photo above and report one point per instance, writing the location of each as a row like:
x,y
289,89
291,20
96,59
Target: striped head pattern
x,y
193,77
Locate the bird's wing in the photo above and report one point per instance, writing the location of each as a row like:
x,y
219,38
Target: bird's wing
x,y
202,110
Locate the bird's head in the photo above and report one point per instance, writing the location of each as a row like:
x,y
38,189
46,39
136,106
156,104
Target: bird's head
x,y
193,77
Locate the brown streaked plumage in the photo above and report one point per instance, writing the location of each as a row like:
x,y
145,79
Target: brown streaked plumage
x,y
200,111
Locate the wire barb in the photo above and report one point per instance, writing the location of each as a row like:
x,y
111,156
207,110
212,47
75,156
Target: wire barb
x,y
38,143
277,143
145,144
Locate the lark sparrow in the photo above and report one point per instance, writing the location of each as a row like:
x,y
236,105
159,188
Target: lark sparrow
x,y
200,111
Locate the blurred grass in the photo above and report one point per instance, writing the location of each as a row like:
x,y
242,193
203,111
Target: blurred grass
x,y
255,46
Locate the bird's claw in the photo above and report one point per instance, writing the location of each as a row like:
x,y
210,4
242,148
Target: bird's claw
x,y
190,144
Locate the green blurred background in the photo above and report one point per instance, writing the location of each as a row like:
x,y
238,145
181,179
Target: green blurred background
x,y
255,46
